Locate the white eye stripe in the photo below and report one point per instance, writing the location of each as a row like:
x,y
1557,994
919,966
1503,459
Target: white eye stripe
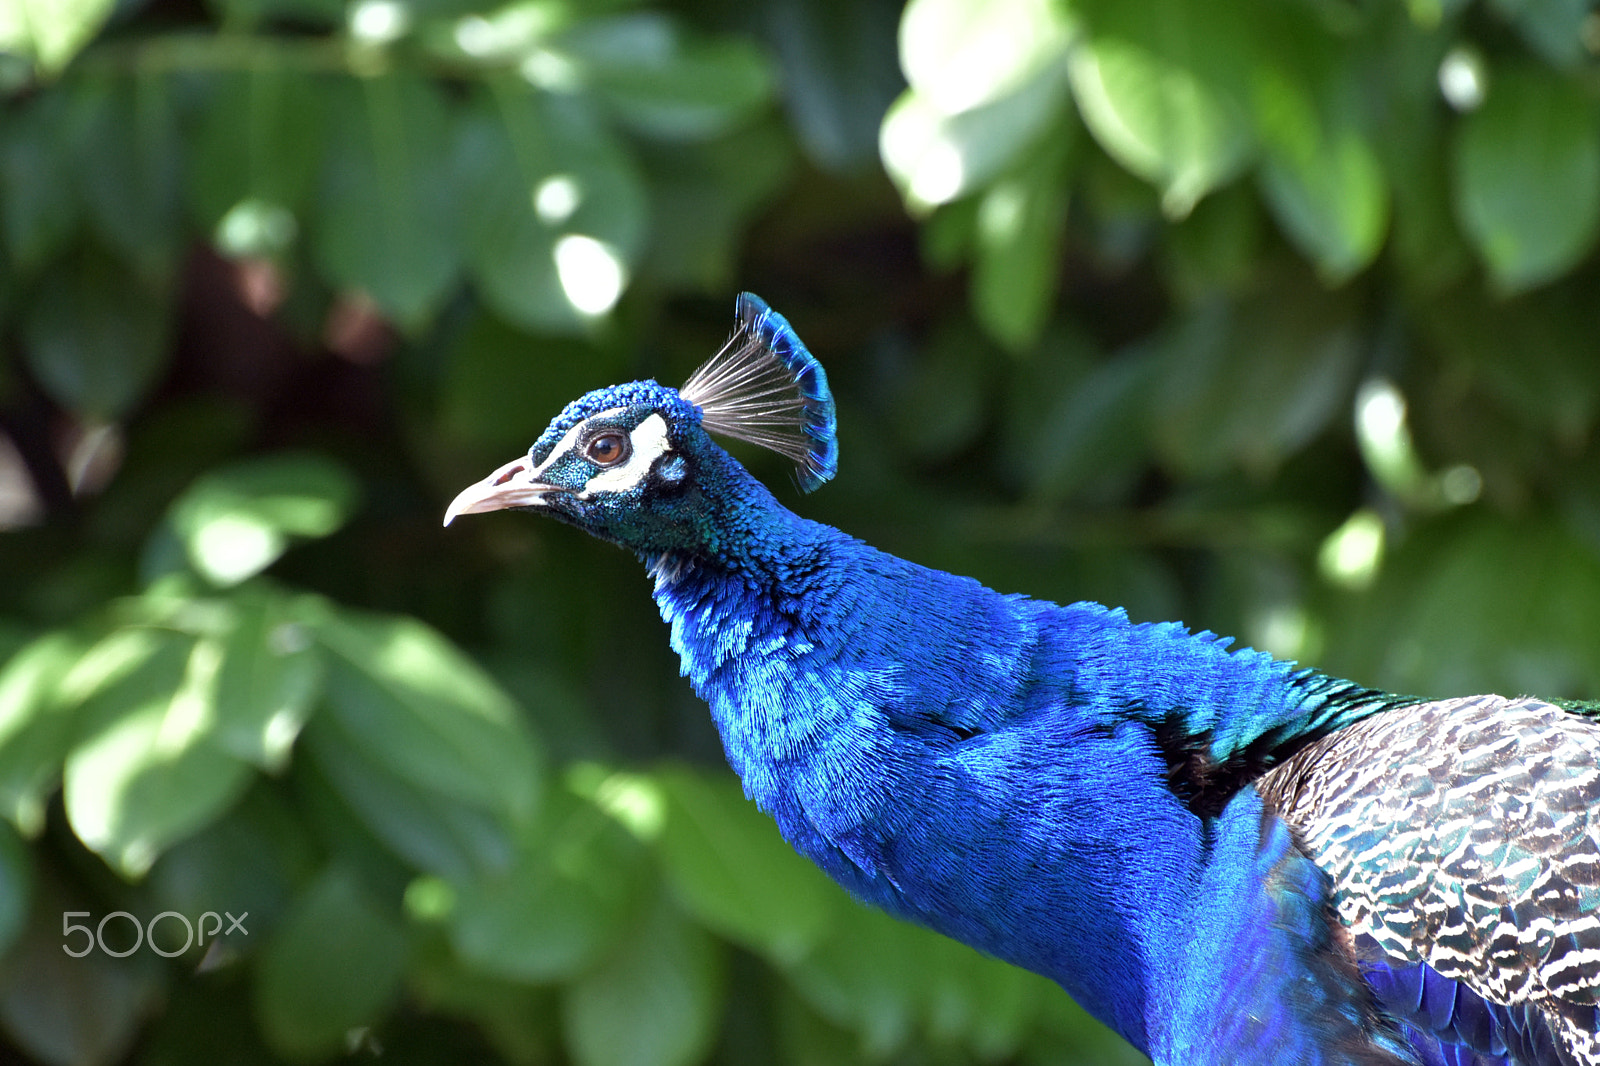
x,y
649,439
568,442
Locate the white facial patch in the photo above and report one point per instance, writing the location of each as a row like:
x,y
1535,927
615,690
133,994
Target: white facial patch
x,y
649,440
566,443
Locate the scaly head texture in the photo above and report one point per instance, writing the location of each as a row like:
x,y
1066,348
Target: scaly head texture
x,y
1227,859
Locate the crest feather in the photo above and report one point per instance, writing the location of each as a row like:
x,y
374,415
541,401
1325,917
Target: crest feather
x,y
764,387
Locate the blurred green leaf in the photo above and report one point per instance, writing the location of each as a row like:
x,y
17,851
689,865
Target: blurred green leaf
x,y
333,966
808,1039
870,975
388,214
519,1020
1527,177
270,677
936,158
1154,83
16,886
663,81
700,197
726,863
499,381
1320,177
1477,604
936,402
251,860
130,166
543,169
430,831
58,1010
838,74
261,143
51,31
1021,221
39,205
983,1003
35,727
418,707
1217,248
1085,425
1553,28
250,13
145,769
1254,382
566,899
236,521
654,1002
960,55
94,337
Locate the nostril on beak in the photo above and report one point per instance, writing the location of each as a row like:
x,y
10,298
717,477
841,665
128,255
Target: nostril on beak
x,y
509,474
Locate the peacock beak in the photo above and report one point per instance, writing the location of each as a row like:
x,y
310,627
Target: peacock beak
x,y
510,486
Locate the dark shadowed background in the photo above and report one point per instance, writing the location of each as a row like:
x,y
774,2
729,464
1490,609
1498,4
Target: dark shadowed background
x,y
1279,317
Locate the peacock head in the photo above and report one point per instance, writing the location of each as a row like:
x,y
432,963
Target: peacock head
x,y
632,463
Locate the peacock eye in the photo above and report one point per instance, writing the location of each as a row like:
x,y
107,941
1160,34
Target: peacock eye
x,y
608,449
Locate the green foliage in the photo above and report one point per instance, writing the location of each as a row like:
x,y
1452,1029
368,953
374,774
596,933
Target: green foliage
x,y
1275,318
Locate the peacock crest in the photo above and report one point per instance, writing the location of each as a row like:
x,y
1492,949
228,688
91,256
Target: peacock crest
x,y
764,387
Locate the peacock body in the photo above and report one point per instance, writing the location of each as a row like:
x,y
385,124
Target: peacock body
x,y
1222,857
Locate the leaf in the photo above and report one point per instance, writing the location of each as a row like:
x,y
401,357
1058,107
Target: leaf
x,y
1480,604
1527,177
1321,179
936,158
146,771
937,401
1156,85
94,337
518,1019
1253,383
663,81
429,831
1553,28
1083,428
387,218
727,865
270,677
703,195
543,169
1021,223
654,1002
565,900
35,727
16,887
51,31
250,14
236,521
838,75
419,708
333,965
38,200
962,56
65,1011
476,407
261,142
870,975
249,861
130,166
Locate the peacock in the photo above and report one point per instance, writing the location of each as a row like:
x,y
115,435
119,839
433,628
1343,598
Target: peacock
x,y
1223,857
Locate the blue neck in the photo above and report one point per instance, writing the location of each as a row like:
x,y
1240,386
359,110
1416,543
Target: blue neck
x,y
867,704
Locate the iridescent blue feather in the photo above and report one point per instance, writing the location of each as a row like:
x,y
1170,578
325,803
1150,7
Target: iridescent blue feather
x,y
1229,860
